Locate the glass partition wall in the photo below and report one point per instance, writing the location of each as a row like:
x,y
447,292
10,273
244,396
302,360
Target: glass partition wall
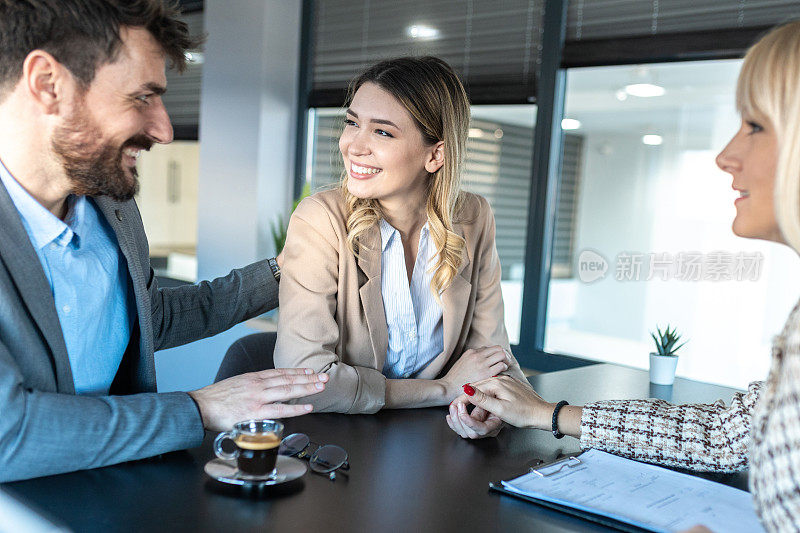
x,y
630,180
652,227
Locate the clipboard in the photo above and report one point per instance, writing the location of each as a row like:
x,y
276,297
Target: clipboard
x,y
635,496
497,486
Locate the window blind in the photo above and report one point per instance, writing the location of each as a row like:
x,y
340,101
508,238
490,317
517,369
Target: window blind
x,y
489,43
498,167
326,161
563,259
187,6
603,19
182,98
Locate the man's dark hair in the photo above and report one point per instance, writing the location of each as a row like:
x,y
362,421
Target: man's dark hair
x,y
83,35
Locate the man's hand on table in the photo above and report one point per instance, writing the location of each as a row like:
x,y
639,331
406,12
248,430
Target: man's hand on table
x,y
256,395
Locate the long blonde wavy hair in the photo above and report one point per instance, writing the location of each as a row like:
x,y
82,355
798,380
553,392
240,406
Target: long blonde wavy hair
x,y
432,93
769,87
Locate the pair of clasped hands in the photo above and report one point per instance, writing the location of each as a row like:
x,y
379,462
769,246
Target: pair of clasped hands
x,y
487,363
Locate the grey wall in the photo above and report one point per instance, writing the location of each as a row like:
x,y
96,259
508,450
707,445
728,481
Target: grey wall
x,y
247,138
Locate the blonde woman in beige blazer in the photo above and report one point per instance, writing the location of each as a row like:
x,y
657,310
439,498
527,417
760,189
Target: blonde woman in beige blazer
x,y
402,146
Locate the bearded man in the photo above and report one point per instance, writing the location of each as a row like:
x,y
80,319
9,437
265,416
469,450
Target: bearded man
x,y
81,312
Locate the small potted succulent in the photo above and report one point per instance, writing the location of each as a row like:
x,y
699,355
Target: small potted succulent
x,y
665,359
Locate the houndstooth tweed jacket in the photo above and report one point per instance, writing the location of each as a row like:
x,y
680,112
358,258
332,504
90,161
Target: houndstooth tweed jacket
x,y
760,428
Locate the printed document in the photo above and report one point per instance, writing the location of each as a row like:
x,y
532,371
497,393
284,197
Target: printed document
x,y
643,495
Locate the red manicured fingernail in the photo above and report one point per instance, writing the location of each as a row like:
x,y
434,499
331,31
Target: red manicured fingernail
x,y
468,390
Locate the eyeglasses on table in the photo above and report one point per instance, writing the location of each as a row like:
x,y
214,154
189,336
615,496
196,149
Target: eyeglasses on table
x,y
324,459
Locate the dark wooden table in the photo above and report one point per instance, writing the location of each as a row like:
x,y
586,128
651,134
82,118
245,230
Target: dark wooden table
x,y
409,472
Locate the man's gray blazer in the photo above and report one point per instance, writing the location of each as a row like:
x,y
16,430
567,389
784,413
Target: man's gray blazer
x,y
45,428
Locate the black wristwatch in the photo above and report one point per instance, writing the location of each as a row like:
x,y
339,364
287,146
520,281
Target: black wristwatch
x,y
556,433
276,270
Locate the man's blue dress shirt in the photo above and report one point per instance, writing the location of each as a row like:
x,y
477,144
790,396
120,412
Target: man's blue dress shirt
x,y
89,281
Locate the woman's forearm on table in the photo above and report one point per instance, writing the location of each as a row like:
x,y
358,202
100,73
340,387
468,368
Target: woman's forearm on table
x,y
410,393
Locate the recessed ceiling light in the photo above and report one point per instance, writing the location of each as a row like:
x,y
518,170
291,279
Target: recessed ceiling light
x,y
195,58
652,140
644,90
418,31
475,132
570,124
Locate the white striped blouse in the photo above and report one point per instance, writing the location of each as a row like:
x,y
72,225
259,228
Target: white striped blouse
x,y
413,316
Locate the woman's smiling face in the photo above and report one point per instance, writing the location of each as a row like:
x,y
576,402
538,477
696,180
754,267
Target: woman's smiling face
x,y
384,152
751,157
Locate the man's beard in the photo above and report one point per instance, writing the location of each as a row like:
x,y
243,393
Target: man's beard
x,y
95,169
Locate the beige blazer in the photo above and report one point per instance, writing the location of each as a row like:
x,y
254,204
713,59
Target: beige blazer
x,y
331,308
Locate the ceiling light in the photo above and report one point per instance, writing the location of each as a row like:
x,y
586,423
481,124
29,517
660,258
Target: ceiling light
x,y
644,90
570,124
652,140
418,31
642,82
195,58
498,133
621,95
475,132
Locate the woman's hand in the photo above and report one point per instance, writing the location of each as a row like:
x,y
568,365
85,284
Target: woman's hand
x,y
474,365
508,400
478,424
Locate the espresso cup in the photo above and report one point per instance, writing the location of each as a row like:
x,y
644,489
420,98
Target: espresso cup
x,y
256,450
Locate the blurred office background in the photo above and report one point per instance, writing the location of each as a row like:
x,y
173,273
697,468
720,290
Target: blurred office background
x,y
634,99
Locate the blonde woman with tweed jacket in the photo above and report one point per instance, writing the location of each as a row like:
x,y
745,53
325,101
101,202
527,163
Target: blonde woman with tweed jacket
x,y
761,427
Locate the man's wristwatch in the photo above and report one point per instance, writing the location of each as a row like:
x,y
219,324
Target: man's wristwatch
x,y
276,270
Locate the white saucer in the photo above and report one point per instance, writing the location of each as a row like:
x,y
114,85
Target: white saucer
x,y
289,469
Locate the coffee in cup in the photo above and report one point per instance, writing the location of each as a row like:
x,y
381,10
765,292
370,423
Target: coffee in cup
x,y
256,451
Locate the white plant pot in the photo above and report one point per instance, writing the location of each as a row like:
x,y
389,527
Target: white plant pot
x,y
662,368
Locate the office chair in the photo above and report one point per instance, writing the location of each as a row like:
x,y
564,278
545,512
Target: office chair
x,y
248,354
